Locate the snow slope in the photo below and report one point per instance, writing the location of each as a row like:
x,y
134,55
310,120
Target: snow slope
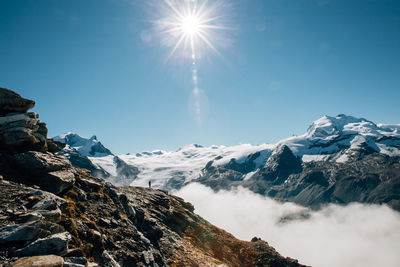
x,y
187,162
328,138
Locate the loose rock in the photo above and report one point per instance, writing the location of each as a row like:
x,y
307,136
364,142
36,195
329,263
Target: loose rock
x,y
39,261
55,244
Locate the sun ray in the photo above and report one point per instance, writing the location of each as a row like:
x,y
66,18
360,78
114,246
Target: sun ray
x,y
191,25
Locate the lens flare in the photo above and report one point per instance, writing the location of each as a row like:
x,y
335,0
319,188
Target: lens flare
x,y
192,27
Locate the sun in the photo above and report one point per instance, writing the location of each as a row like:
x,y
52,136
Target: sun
x,y
190,25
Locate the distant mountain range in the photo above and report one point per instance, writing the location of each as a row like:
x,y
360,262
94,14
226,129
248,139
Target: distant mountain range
x,y
338,160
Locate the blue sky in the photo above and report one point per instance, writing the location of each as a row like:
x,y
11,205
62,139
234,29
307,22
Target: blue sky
x,y
97,67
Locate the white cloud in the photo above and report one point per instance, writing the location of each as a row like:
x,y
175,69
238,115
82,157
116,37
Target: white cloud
x,y
353,235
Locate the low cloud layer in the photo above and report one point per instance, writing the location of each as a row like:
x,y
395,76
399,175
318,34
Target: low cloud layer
x,y
354,235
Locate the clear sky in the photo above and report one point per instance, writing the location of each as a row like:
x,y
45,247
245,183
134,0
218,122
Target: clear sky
x,y
99,67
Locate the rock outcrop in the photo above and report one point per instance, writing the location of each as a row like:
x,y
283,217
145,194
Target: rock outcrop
x,y
53,214
21,130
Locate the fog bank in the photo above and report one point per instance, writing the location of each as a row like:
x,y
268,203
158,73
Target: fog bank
x,y
353,235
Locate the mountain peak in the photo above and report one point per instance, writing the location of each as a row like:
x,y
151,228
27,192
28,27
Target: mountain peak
x,y
327,125
90,147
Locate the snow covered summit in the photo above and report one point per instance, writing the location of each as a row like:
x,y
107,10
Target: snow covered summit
x,y
346,134
89,147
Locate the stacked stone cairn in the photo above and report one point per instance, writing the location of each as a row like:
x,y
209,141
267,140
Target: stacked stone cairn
x,y
21,130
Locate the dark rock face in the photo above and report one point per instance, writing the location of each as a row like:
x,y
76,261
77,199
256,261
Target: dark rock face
x,y
125,172
83,219
373,179
367,178
280,165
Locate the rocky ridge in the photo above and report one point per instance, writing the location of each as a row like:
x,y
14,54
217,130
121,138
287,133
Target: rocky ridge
x,y
54,214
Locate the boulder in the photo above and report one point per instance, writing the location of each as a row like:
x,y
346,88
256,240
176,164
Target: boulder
x,y
55,244
13,102
27,231
46,170
54,146
107,260
34,162
21,139
39,261
48,201
58,181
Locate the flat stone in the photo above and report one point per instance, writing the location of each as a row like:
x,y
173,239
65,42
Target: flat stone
x,y
27,123
20,139
39,163
55,244
39,261
27,231
14,117
57,181
13,102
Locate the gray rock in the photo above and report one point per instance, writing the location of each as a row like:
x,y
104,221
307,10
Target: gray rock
x,y
57,181
50,215
39,163
131,211
55,244
26,120
21,139
27,231
76,260
148,257
49,201
108,260
30,217
13,102
39,261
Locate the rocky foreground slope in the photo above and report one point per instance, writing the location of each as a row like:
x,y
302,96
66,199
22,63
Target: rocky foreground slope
x,y
53,214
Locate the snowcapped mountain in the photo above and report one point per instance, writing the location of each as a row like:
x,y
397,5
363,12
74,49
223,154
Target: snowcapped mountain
x,y
89,153
330,140
346,134
89,147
